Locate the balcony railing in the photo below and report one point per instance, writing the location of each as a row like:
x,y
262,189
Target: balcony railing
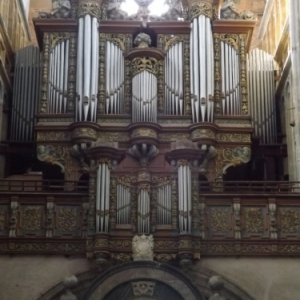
x,y
43,186
249,187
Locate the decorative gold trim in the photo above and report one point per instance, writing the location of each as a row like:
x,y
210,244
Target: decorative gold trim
x,y
89,7
202,8
140,64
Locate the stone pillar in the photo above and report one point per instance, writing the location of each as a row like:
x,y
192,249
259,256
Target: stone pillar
x,y
295,46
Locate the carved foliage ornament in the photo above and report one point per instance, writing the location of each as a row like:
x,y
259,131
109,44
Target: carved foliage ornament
x,y
89,7
254,222
53,155
32,218
219,220
231,39
66,219
140,64
202,8
290,220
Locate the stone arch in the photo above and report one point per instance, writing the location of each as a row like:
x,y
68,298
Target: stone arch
x,y
166,281
196,279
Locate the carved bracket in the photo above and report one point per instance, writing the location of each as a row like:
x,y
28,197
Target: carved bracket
x,y
53,155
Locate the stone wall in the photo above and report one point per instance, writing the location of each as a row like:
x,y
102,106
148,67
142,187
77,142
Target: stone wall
x,y
28,277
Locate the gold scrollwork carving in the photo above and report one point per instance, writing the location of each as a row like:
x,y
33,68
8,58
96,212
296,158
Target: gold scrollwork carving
x,y
84,133
231,39
66,219
144,132
106,161
170,40
234,137
254,222
89,7
58,37
219,220
127,180
117,39
202,8
53,136
122,257
32,218
54,155
290,220
203,133
140,64
160,180
172,137
183,162
114,136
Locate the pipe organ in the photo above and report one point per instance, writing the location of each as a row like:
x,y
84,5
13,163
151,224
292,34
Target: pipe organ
x,y
230,80
87,68
262,95
145,95
102,197
202,69
58,77
174,80
25,94
114,67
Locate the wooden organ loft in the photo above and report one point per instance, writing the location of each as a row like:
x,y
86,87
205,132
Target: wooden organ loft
x,y
145,125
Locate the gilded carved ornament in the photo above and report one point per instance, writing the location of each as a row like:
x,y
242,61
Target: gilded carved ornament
x,y
144,132
89,7
227,157
66,219
202,8
219,219
254,222
231,39
140,64
290,220
54,155
84,133
31,218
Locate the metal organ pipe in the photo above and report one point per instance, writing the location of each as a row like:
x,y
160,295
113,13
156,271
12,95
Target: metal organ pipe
x,y
230,80
123,204
185,199
87,69
202,69
25,94
261,92
144,97
174,80
164,205
114,79
102,198
58,78
143,211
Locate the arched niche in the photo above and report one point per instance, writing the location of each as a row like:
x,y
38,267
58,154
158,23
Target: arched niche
x,y
142,280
